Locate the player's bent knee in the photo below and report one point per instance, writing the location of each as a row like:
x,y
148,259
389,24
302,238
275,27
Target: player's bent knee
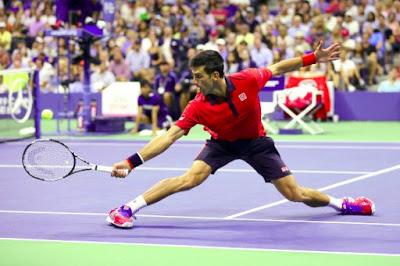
x,y
190,180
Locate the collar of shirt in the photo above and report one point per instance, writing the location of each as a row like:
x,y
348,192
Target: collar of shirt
x,y
213,99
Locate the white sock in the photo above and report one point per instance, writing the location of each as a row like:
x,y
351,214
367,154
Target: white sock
x,y
137,204
335,203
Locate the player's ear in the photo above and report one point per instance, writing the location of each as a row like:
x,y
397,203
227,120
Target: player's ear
x,y
215,75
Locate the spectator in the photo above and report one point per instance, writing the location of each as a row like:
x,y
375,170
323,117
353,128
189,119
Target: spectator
x,y
154,51
296,27
392,84
351,24
245,60
137,59
166,45
5,37
250,18
119,67
185,88
47,74
346,76
102,77
4,59
212,42
232,64
221,44
300,43
244,35
260,53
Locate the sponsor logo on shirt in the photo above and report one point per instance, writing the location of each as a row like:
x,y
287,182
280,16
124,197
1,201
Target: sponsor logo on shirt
x,y
242,96
285,169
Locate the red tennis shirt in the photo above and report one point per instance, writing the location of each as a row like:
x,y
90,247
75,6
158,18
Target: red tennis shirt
x,y
238,116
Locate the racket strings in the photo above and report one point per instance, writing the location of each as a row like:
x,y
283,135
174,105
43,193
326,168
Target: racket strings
x,y
48,160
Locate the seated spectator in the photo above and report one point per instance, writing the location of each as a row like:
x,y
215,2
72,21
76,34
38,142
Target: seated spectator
x,y
118,66
245,60
346,75
300,43
185,88
152,113
244,35
374,69
232,64
4,59
102,77
137,59
392,84
261,54
46,74
5,37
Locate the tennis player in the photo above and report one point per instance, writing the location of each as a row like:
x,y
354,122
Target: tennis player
x,y
229,109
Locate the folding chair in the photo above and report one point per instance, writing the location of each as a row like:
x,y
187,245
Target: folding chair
x,y
267,109
301,117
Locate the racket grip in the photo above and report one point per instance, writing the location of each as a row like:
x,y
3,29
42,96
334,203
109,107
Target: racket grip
x,y
108,169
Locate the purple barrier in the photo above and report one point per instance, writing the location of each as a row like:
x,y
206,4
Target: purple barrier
x,y
367,106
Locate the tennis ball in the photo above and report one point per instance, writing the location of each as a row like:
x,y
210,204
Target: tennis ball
x,y
47,114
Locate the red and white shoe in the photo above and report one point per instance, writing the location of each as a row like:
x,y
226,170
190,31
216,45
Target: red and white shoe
x,y
121,217
358,206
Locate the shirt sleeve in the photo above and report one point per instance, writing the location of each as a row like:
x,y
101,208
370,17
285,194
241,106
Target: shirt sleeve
x,y
188,118
260,75
140,101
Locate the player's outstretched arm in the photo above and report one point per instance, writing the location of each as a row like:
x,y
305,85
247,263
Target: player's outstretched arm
x,y
156,146
319,55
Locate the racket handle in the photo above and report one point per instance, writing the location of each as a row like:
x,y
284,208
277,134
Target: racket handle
x,y
108,169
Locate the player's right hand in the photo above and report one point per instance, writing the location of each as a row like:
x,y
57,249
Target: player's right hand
x,y
121,169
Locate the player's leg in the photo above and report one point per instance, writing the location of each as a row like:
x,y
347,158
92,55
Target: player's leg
x,y
212,157
265,159
123,216
289,188
196,175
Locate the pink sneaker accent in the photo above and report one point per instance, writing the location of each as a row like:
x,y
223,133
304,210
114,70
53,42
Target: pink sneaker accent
x,y
358,206
121,217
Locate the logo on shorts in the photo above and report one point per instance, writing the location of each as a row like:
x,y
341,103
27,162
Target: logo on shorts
x,y
242,96
285,169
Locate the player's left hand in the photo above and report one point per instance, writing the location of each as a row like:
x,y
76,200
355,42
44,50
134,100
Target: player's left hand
x,y
329,54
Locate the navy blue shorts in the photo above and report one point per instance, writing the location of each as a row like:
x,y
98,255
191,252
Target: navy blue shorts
x,y
259,153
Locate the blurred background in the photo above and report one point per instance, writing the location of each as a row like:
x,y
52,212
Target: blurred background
x,y
103,67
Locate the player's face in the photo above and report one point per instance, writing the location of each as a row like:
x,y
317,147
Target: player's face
x,y
203,80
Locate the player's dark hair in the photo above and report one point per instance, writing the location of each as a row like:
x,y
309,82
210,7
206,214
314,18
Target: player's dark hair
x,y
211,60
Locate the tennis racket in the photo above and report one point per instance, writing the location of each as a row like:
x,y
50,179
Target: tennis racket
x,y
52,160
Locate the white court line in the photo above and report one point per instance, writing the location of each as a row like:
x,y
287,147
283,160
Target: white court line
x,y
191,145
181,217
201,247
228,170
335,185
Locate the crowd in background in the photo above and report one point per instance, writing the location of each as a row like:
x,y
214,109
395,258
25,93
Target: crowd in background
x,y
155,39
